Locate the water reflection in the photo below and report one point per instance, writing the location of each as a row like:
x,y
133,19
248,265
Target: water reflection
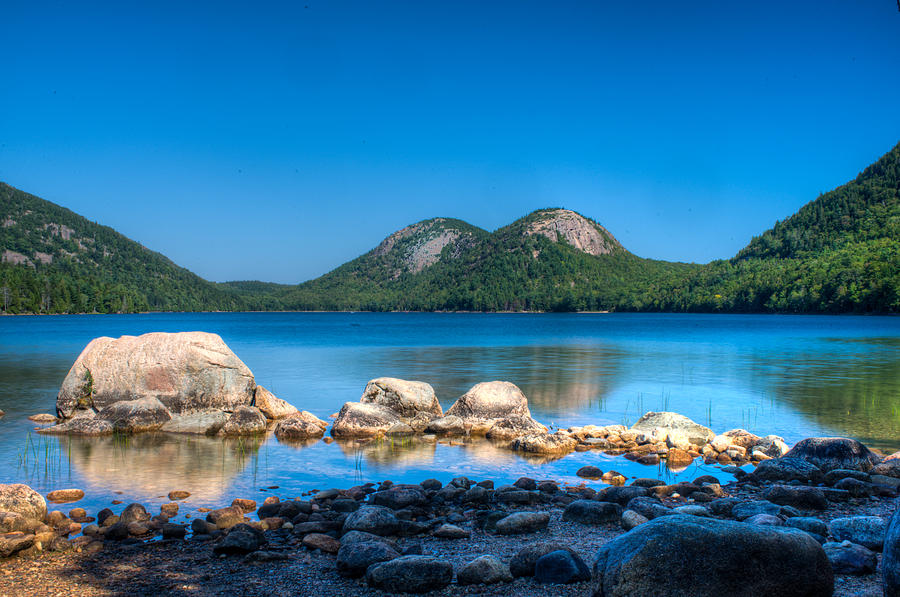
x,y
792,376
153,464
556,379
854,389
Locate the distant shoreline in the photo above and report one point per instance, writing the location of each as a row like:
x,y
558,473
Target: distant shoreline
x,y
461,312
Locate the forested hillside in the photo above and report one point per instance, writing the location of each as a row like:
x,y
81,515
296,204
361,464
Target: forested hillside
x,y
550,260
54,261
838,254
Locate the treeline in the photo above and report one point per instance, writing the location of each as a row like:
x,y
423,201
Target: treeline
x,y
77,266
838,254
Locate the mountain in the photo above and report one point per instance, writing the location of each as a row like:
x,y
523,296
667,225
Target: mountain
x,y
838,254
552,259
54,261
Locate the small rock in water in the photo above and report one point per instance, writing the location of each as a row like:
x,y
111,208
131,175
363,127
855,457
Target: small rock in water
x,y
486,570
65,495
225,518
589,472
179,495
170,510
244,504
526,483
134,513
613,478
43,418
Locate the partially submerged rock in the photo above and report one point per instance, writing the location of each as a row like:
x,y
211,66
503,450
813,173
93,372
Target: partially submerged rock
x,y
205,422
185,371
245,420
270,406
486,403
406,398
299,426
675,423
356,419
559,442
829,453
388,406
133,416
188,382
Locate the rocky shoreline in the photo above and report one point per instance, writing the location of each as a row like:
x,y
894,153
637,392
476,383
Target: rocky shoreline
x,y
814,519
819,520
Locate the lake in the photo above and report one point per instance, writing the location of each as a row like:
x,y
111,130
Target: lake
x,y
794,376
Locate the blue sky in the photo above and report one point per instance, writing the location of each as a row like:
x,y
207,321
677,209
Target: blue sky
x,y
276,141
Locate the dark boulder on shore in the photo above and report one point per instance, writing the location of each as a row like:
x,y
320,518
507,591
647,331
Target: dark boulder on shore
x,y
592,512
689,555
522,564
786,468
830,453
410,574
561,567
890,560
355,557
486,570
377,520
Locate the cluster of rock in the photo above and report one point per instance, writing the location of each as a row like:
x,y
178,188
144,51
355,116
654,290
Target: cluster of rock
x,y
499,411
684,538
191,382
678,440
389,406
188,382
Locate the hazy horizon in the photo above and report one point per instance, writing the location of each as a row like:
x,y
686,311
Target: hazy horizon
x,y
278,143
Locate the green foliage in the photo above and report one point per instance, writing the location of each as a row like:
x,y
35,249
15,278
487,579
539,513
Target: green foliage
x,y
838,254
86,392
89,268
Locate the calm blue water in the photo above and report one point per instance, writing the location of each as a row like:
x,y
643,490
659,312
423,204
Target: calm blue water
x,y
792,376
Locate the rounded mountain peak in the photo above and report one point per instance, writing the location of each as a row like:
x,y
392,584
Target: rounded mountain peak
x,y
576,230
421,244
